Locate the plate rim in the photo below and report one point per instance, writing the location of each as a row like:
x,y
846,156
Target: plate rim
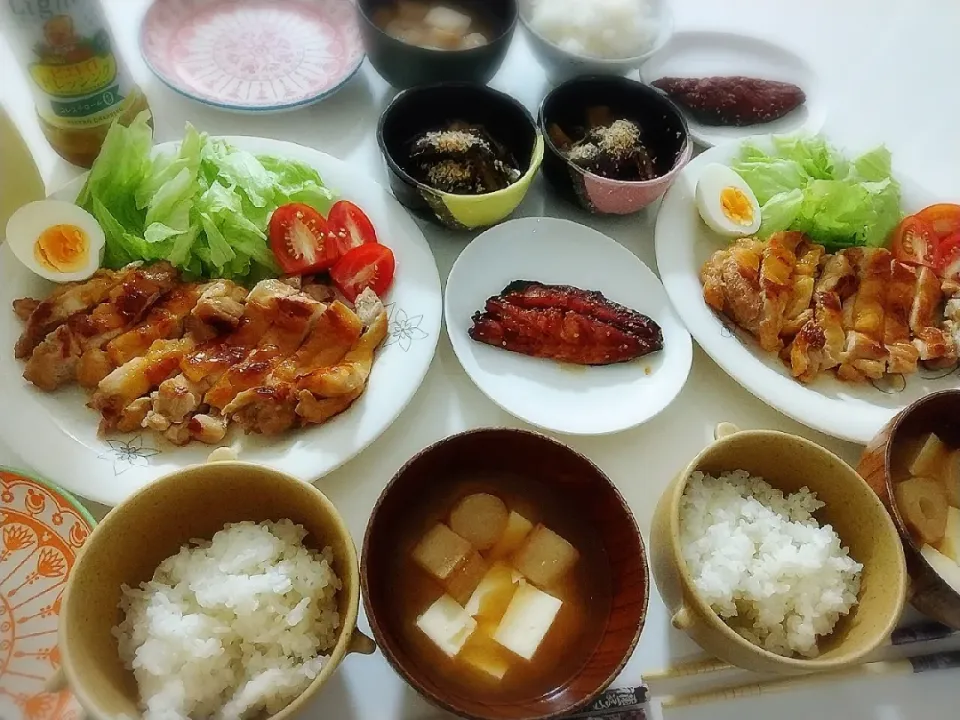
x,y
435,305
688,340
54,488
183,90
767,390
699,34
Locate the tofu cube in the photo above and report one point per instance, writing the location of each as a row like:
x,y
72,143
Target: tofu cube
x,y
944,566
485,654
490,600
464,580
447,624
927,456
528,618
545,557
518,527
444,18
949,546
441,551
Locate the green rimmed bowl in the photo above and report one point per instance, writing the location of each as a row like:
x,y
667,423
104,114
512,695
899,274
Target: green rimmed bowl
x,y
42,529
419,110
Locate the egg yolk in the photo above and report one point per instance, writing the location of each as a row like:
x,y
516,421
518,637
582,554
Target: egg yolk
x,y
62,248
736,206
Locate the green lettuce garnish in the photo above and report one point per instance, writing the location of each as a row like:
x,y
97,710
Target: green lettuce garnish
x,y
805,185
205,207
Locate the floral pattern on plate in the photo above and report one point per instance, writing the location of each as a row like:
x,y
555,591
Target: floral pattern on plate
x,y
252,54
41,530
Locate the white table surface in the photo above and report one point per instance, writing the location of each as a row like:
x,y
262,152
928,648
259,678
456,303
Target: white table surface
x,y
889,69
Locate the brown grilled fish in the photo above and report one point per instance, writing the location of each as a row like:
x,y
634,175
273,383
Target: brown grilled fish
x,y
736,100
565,323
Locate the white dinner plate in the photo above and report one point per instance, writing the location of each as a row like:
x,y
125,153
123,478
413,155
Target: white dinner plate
x,y
850,411
708,53
57,434
565,398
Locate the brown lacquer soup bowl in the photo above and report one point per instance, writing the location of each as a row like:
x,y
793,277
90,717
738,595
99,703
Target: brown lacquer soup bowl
x,y
553,485
880,466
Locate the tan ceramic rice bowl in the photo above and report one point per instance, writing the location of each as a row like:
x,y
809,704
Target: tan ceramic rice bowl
x,y
153,524
788,462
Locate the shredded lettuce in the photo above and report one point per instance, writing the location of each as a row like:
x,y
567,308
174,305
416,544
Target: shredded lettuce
x,y
805,185
205,207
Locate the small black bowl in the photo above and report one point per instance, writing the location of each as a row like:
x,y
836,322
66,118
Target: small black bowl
x,y
404,65
423,109
664,132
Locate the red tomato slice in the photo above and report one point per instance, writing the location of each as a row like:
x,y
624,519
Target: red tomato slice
x,y
369,266
948,257
944,218
350,226
301,240
914,242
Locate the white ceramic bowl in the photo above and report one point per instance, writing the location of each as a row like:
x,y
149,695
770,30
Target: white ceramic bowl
x,y
560,64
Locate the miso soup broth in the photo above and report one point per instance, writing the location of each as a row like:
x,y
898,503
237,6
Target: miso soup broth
x,y
584,590
436,24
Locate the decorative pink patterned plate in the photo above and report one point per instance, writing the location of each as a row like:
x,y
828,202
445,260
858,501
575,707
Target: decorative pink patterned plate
x,y
41,530
252,55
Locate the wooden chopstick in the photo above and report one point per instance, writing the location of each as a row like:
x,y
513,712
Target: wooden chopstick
x,y
909,666
924,632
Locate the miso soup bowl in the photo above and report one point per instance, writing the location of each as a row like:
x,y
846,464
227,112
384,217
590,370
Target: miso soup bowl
x,y
152,525
528,458
419,110
788,463
928,592
663,128
404,65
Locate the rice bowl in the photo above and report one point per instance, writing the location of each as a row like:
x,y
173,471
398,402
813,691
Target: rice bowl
x,y
153,525
788,463
763,563
233,625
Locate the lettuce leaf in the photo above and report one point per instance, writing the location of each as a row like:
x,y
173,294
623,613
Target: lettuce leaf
x,y
205,208
805,185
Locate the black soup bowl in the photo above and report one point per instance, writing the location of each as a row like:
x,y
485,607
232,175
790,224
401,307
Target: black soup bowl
x,y
425,109
663,131
404,65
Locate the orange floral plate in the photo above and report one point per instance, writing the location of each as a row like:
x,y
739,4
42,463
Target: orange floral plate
x,y
41,529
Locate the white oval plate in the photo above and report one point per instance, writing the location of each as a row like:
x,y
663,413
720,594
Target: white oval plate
x,y
706,53
57,434
849,411
555,396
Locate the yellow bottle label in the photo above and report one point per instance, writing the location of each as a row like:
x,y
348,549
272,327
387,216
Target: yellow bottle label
x,y
66,48
77,79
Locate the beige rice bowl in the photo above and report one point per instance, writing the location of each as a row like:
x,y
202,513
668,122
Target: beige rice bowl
x,y
230,627
763,563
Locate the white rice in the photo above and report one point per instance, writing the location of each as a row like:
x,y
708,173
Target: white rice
x,y
763,563
231,627
608,29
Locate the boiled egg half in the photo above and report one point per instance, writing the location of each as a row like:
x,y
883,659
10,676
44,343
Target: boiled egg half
x,y
57,240
726,203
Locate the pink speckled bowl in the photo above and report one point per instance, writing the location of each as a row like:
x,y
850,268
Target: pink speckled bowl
x,y
664,132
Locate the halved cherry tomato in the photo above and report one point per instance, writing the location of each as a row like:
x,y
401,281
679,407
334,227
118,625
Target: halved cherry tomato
x,y
948,257
301,241
944,218
350,226
914,242
369,266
